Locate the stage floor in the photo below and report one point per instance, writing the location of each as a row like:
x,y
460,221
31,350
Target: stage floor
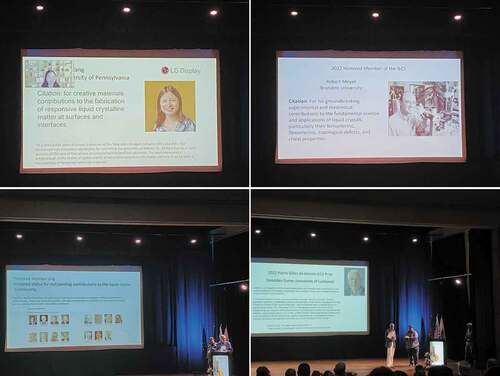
x,y
361,366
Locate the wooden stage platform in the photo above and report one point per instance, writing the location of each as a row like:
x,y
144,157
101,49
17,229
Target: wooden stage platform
x,y
361,366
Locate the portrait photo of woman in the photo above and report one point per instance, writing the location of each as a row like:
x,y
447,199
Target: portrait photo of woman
x,y
50,79
170,117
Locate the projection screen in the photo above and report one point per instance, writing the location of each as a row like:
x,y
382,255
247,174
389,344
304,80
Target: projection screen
x,y
370,107
309,297
120,111
68,308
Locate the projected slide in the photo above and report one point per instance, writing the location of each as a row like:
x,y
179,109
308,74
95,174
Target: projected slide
x,y
119,111
309,297
64,308
370,107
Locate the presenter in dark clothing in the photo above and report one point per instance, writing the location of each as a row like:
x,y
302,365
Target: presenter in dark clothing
x,y
211,348
412,345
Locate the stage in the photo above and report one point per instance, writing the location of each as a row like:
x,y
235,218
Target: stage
x,y
360,366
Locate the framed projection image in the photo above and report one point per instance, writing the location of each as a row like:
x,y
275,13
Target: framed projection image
x,y
120,111
370,107
309,297
70,308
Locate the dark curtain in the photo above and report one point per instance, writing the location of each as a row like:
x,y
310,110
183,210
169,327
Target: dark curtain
x,y
183,308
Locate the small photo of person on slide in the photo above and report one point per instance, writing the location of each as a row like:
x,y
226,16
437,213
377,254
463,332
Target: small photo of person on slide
x,y
50,79
354,282
170,107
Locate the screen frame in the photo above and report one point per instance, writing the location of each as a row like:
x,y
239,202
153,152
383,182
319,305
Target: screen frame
x,y
49,267
97,53
420,54
276,260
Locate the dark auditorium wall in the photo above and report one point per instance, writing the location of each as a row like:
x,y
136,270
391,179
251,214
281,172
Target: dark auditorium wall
x,y
396,265
404,25
151,25
169,264
455,303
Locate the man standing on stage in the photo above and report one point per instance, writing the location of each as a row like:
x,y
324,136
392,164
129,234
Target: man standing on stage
x,y
211,348
390,344
224,345
412,345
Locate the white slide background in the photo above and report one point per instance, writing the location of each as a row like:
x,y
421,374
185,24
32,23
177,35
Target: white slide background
x,y
311,130
77,291
307,297
119,140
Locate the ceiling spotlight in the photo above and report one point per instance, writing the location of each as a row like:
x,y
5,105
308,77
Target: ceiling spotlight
x,y
313,234
138,241
79,238
375,15
458,281
414,240
257,231
294,13
366,239
39,7
19,236
214,12
193,241
126,9
244,287
457,17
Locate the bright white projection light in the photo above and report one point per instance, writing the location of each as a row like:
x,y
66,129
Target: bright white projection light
x,y
294,13
457,17
214,12
366,239
138,241
79,238
19,236
458,282
244,287
313,235
193,241
414,240
126,9
39,7
257,231
375,15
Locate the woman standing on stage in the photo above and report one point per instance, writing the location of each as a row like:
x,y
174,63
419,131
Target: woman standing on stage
x,y
390,344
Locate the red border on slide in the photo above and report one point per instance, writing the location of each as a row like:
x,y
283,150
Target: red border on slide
x,y
386,55
80,52
138,268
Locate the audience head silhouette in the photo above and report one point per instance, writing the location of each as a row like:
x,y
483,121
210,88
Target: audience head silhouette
x,y
263,371
304,370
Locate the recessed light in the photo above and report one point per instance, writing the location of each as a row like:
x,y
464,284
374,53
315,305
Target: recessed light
x,y
294,13
313,234
258,231
458,281
39,7
19,236
214,12
244,287
126,9
457,17
138,241
414,240
79,238
375,15
193,241
366,238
